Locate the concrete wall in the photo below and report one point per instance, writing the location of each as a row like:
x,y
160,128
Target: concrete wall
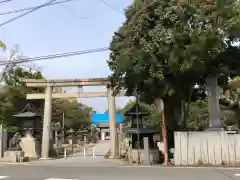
x,y
206,148
153,154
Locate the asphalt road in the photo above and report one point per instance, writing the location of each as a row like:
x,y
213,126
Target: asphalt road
x,y
51,172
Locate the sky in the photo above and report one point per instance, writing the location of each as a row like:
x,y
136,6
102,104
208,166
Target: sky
x,y
72,26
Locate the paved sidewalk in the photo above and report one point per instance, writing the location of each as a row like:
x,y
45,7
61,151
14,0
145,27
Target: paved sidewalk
x,y
99,150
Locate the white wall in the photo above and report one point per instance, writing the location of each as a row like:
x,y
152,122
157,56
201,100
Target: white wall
x,y
206,148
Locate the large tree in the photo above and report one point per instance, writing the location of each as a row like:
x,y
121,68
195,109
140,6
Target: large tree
x,y
166,47
13,94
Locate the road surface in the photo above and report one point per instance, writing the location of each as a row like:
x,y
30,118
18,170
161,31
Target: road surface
x,y
104,172
98,168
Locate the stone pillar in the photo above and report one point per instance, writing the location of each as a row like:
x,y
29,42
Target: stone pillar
x,y
3,140
112,121
146,151
213,103
47,123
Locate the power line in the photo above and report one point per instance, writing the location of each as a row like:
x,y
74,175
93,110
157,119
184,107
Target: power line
x,y
4,1
28,12
73,11
54,56
111,6
29,8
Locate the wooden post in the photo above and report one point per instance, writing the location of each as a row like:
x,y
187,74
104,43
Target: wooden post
x,y
130,159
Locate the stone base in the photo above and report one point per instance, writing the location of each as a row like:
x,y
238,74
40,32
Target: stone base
x,y
214,129
47,158
114,157
13,156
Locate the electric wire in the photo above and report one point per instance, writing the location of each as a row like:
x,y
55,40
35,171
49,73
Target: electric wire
x,y
29,8
5,1
111,6
53,56
28,12
74,12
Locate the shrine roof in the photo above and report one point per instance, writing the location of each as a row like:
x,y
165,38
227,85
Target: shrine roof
x,y
133,111
29,111
28,114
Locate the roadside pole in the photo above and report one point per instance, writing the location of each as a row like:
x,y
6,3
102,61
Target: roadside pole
x,y
159,104
164,135
63,127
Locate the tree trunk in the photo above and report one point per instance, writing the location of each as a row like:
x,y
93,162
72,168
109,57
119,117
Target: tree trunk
x,y
172,111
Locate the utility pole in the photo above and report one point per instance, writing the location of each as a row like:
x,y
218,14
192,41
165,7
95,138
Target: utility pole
x,y
138,130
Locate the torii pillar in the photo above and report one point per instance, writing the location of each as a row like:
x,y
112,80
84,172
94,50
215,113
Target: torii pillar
x,y
47,123
112,120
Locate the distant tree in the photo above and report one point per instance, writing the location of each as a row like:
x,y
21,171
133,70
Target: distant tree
x,y
77,115
13,94
2,45
118,110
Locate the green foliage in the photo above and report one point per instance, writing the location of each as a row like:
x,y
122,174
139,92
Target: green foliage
x,y
153,120
164,43
76,115
198,115
230,97
166,47
13,94
2,45
14,76
118,110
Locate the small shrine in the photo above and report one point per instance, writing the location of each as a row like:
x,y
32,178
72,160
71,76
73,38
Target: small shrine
x,y
31,129
133,130
30,119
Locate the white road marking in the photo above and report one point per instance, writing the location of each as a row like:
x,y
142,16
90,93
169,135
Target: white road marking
x,y
237,174
3,177
59,179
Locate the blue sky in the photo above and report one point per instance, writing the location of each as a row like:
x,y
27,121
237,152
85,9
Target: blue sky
x,y
77,25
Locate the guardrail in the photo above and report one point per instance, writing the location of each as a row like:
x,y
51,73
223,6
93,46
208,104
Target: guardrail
x,y
85,153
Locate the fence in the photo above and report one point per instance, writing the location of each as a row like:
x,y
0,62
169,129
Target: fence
x,y
206,148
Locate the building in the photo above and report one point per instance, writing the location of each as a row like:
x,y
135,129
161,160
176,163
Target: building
x,y
102,122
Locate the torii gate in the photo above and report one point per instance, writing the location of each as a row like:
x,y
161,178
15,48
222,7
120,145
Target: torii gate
x,y
50,84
